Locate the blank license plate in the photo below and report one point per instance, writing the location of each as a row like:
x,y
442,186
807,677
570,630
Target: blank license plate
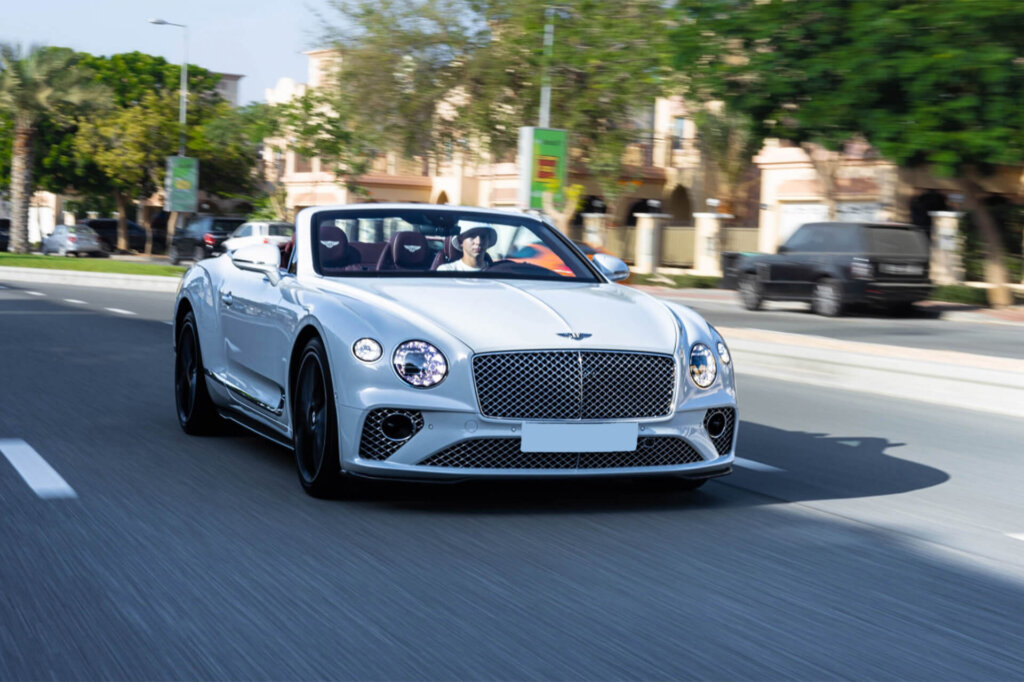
x,y
617,437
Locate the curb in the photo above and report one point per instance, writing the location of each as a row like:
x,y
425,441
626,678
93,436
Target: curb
x,y
106,280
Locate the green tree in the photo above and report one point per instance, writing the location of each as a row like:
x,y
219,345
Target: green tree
x,y
934,84
41,84
435,74
130,146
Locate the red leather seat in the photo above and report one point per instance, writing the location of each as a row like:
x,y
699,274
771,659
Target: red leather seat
x,y
406,250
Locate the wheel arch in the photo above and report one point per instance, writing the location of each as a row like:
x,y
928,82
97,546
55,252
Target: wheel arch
x,y
310,331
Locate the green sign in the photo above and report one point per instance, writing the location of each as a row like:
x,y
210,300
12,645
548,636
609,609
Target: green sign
x,y
181,187
544,159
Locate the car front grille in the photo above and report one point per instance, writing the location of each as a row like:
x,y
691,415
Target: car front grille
x,y
374,444
723,444
504,453
574,384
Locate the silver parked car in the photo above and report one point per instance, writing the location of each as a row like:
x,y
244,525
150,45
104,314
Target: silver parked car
x,y
66,240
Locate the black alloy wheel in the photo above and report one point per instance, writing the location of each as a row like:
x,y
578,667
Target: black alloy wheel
x,y
750,292
828,298
315,424
196,412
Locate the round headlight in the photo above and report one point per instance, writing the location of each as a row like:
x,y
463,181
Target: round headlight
x,y
420,364
703,368
723,353
367,350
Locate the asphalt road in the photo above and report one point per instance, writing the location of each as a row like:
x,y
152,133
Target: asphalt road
x,y
862,538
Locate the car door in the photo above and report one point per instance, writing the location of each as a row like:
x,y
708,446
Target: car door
x,y
257,318
808,264
51,243
779,273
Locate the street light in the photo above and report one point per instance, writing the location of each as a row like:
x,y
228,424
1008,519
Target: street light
x,y
183,88
549,40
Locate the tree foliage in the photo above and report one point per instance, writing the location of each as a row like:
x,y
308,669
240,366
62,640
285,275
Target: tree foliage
x,y
432,74
936,84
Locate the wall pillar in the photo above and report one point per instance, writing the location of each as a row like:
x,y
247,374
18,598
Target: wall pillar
x,y
594,225
707,256
647,253
947,260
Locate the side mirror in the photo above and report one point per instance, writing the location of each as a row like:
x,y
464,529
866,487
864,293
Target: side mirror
x,y
615,268
262,258
783,248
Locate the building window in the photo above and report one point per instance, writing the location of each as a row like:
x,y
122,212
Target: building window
x,y
303,164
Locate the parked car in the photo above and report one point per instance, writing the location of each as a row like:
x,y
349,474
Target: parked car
x,y
834,265
5,233
106,230
203,237
257,232
377,359
76,240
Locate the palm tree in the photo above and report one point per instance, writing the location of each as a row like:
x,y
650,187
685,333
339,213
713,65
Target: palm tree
x,y
42,83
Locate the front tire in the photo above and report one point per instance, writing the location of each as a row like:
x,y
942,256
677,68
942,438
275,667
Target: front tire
x,y
315,424
750,292
197,414
828,298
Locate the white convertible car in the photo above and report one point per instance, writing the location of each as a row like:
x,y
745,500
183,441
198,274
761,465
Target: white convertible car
x,y
434,342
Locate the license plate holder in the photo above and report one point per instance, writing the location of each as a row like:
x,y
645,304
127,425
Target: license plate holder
x,y
609,437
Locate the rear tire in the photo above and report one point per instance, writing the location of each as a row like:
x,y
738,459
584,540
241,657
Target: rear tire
x,y
750,292
828,298
197,414
172,256
315,424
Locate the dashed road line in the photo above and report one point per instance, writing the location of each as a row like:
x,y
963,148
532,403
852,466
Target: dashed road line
x,y
35,293
1016,536
36,471
756,466
120,311
74,300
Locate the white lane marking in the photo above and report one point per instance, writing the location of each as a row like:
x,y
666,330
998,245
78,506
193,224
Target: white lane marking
x,y
35,293
2,286
169,322
1016,536
120,311
74,300
35,470
756,466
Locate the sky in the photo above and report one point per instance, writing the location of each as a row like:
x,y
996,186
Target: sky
x,y
262,40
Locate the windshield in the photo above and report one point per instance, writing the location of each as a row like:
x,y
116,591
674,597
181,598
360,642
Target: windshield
x,y
413,242
895,240
280,230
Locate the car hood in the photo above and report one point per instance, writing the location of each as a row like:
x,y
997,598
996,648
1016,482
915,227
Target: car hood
x,y
491,315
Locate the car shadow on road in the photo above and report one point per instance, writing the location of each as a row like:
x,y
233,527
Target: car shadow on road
x,y
793,466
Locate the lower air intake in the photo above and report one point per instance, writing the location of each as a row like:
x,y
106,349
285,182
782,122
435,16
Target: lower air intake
x,y
504,453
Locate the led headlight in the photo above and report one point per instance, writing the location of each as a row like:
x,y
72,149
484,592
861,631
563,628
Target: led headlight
x,y
703,368
723,353
367,350
420,364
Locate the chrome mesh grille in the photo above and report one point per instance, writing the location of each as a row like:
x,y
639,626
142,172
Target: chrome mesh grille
x,y
574,385
374,444
503,453
723,444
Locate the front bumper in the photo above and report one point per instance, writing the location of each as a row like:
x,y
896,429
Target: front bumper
x,y
888,292
453,445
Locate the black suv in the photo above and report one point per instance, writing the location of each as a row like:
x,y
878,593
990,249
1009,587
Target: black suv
x,y
106,230
202,237
833,265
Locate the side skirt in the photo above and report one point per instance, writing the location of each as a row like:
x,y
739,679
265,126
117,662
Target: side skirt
x,y
256,427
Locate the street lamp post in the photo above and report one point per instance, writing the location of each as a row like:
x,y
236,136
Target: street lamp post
x,y
183,88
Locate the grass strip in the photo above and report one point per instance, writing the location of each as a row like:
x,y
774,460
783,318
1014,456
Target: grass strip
x,y
119,267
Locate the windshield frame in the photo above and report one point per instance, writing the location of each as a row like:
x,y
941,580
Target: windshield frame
x,y
585,271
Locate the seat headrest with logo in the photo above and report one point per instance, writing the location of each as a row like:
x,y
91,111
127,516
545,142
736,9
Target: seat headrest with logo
x,y
333,247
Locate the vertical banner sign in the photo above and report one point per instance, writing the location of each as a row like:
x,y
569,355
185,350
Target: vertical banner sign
x,y
543,165
181,184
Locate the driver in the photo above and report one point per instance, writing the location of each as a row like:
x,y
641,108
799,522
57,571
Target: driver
x,y
473,243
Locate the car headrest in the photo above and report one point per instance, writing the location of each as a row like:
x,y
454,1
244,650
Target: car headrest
x,y
410,250
333,247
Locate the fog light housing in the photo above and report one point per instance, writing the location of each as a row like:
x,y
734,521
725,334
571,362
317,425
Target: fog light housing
x,y
367,350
